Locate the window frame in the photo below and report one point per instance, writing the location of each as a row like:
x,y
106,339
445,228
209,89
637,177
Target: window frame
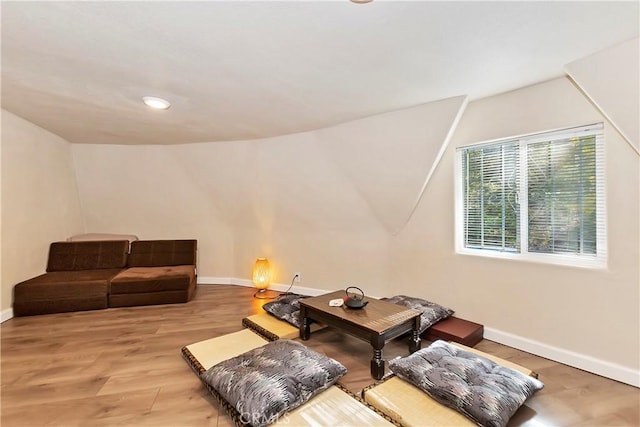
x,y
599,260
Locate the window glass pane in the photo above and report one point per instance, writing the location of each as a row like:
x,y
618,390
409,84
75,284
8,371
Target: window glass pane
x,y
561,189
491,212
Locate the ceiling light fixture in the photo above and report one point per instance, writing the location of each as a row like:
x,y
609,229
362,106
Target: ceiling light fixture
x,y
157,103
361,1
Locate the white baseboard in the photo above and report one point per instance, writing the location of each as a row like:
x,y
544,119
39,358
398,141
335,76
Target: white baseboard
x,y
581,361
214,280
248,283
6,315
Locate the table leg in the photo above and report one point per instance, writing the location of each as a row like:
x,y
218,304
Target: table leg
x,y
415,342
305,324
377,364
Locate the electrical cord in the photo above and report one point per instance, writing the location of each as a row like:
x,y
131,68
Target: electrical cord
x,y
263,293
285,293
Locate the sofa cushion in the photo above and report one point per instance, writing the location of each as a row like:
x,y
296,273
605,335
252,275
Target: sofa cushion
x,y
153,279
157,253
65,284
63,291
90,255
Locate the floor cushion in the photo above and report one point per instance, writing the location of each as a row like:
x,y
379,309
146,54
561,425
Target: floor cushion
x,y
432,313
479,388
273,379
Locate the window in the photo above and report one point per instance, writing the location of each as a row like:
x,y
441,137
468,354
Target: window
x,y
539,197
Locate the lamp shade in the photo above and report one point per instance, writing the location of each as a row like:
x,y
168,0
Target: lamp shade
x,y
261,273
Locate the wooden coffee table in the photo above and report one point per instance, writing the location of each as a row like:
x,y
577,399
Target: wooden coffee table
x,y
377,323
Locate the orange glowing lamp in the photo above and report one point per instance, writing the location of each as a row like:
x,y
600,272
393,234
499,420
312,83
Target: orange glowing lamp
x,y
261,274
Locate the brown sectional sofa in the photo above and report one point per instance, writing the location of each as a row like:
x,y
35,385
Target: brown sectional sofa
x,y
80,276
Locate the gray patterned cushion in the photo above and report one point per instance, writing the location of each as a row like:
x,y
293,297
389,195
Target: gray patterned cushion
x,y
432,313
264,383
286,308
475,386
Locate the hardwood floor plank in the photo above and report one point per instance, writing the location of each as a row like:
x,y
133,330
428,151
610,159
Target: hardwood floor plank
x,y
141,380
66,372
59,391
80,411
199,409
122,366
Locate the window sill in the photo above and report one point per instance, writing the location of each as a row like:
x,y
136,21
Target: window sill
x,y
565,260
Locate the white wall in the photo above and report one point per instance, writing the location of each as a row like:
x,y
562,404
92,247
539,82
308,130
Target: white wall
x,y
593,313
40,201
147,191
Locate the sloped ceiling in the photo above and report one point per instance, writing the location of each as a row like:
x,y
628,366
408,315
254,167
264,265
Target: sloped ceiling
x,y
238,70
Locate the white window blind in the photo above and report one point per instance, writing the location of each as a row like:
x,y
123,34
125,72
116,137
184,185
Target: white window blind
x,y
536,196
491,209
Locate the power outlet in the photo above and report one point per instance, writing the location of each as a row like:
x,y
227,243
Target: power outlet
x,y
297,277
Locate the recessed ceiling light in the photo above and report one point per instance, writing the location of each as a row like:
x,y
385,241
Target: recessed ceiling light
x,y
157,103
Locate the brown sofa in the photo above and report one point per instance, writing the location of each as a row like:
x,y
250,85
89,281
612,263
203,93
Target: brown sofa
x,y
160,272
91,275
77,278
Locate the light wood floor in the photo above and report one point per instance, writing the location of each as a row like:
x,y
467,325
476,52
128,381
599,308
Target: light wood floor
x,y
122,366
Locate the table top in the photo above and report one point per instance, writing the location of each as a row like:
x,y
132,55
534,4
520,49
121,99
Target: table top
x,y
377,315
